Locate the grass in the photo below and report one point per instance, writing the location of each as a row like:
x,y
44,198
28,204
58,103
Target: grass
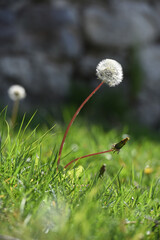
x,y
39,202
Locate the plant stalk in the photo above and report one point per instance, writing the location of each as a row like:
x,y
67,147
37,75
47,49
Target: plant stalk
x,y
14,112
73,118
88,155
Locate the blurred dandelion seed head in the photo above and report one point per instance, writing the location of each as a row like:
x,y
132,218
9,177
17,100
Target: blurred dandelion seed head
x,y
74,147
16,92
108,156
110,71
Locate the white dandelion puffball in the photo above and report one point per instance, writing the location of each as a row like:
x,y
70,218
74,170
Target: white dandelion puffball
x,y
16,92
110,71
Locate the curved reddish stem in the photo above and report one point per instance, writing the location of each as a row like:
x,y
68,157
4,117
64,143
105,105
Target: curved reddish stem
x,y
73,118
88,155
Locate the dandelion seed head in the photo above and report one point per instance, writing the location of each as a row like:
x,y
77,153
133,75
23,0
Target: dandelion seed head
x,y
16,92
74,147
110,71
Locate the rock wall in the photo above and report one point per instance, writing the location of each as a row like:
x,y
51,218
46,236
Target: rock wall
x,y
46,45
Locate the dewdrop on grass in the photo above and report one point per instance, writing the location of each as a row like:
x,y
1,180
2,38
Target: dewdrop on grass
x,y
16,92
110,71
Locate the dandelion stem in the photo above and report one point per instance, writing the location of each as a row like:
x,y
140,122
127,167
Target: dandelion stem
x,y
73,118
14,112
88,155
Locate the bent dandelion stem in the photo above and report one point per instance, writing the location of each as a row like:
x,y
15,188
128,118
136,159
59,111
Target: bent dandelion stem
x,y
72,120
88,155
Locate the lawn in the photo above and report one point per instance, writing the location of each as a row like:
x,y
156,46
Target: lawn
x,y
39,201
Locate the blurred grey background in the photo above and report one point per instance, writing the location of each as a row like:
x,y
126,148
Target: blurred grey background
x,y
52,48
